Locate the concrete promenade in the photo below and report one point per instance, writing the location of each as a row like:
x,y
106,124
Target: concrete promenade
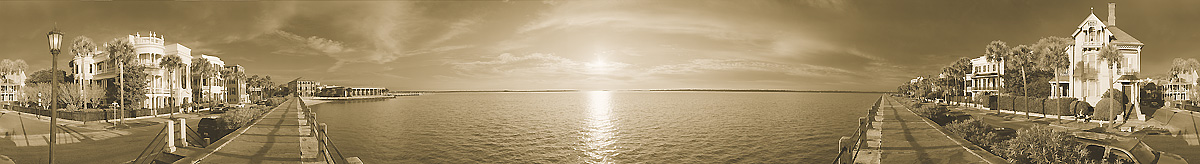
x,y
909,138
281,136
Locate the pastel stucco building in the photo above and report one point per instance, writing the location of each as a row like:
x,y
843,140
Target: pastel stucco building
x,y
235,89
1089,76
100,69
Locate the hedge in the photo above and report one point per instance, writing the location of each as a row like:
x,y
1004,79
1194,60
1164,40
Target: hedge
x,y
1036,105
1059,106
986,100
1005,102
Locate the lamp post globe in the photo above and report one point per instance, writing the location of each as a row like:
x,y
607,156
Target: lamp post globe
x,y
55,39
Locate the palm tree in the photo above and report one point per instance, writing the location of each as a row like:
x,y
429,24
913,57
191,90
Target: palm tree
x,y
226,75
957,71
202,70
170,63
121,52
236,77
266,81
1021,57
1109,53
995,52
1052,55
82,46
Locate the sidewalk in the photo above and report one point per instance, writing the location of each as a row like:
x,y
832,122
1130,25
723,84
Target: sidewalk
x,y
909,138
275,138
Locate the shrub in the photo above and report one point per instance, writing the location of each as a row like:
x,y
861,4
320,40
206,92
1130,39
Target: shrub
x,y
1040,144
975,131
1059,106
1004,102
1082,108
933,112
240,117
1109,106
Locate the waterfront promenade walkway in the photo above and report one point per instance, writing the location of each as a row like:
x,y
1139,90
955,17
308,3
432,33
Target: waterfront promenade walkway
x,y
909,138
281,136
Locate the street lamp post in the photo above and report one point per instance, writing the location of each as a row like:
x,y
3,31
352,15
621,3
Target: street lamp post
x,y
55,37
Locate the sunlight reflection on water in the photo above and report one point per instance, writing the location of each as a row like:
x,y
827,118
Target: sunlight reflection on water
x,y
600,134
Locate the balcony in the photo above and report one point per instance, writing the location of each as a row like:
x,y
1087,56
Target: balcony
x,y
983,88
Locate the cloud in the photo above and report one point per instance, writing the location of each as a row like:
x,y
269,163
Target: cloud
x,y
536,65
311,45
700,66
457,28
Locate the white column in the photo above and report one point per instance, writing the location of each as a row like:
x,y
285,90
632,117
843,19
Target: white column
x,y
183,132
170,136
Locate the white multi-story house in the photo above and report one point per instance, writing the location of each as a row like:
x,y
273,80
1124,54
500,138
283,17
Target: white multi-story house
x,y
1090,76
1176,89
984,77
99,68
10,85
210,89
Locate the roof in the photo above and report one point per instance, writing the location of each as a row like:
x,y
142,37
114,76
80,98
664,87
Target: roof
x,y
1123,37
1128,78
1061,79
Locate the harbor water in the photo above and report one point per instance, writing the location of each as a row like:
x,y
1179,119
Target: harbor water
x,y
596,127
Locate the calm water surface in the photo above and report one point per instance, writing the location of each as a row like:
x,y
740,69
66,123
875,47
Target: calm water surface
x,y
596,127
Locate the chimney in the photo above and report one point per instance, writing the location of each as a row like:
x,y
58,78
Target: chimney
x,y
1112,14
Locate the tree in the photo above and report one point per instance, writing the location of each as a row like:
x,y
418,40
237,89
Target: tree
x,y
1111,55
171,63
45,76
1021,57
1179,66
82,46
226,75
995,52
957,71
133,77
234,77
202,73
8,67
1151,97
1051,55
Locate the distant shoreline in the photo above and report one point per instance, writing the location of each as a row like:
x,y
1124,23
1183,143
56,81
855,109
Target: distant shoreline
x,y
646,90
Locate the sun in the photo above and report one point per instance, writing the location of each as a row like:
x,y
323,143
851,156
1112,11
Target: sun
x,y
601,66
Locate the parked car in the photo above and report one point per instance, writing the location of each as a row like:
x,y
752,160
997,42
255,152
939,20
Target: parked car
x,y
1123,149
211,128
216,110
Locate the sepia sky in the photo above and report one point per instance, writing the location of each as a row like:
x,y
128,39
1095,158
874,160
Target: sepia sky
x,y
474,45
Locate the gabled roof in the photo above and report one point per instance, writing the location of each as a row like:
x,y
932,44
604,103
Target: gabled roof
x,y
1090,17
1122,37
